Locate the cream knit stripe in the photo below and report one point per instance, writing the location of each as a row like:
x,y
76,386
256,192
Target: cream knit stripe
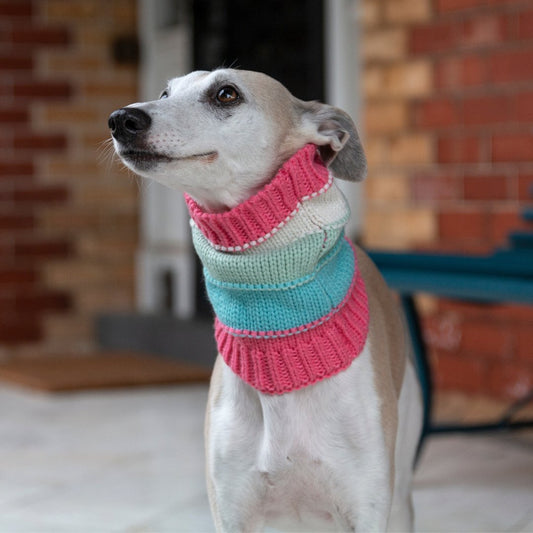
x,y
268,267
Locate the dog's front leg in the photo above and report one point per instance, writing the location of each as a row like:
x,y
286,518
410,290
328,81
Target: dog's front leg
x,y
236,508
363,475
368,510
233,426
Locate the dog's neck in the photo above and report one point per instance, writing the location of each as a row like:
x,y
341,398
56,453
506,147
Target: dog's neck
x,y
254,221
291,307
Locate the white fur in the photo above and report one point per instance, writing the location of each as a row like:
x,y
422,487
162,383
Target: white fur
x,y
315,459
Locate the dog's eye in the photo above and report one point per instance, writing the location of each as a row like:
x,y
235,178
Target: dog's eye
x,y
227,95
164,94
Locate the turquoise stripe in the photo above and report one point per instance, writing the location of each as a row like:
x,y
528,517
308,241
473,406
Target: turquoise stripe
x,y
288,303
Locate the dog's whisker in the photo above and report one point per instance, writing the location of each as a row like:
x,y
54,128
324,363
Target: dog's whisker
x,y
106,154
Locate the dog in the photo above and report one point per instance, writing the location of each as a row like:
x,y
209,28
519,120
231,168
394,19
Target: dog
x,y
314,411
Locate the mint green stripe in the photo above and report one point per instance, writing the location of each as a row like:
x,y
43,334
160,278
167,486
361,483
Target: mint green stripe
x,y
293,261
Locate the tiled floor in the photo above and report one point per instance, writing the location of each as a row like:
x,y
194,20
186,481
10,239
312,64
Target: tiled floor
x,y
132,461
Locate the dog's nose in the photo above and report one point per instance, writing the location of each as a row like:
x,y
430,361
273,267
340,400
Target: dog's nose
x,y
126,123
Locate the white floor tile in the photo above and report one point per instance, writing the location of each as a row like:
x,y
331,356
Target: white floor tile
x,y
132,461
482,483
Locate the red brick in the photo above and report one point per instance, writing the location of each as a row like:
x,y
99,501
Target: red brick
x,y
501,223
482,29
6,140
461,226
16,62
510,381
6,195
16,222
461,71
525,343
14,277
485,188
442,332
470,310
35,301
43,90
478,311
15,329
40,36
487,339
457,5
6,249
522,110
45,248
16,168
436,37
525,24
436,188
457,247
514,65
459,149
37,195
56,141
437,113
512,147
462,309
456,372
16,8
483,110
13,115
525,187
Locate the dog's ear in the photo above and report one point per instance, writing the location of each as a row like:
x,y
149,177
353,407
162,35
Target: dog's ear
x,y
333,131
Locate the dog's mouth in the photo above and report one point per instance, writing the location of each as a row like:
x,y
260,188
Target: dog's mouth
x,y
141,157
145,158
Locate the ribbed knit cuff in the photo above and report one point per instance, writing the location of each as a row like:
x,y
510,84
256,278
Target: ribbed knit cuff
x,y
302,177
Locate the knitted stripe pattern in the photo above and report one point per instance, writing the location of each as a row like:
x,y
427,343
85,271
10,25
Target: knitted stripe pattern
x,y
291,307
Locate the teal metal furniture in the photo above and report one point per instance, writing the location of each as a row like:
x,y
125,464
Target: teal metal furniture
x,y
506,276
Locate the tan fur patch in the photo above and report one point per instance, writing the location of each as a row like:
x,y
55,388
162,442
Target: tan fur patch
x,y
387,337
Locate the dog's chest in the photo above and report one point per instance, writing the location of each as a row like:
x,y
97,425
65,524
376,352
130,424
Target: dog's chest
x,y
298,492
300,452
297,465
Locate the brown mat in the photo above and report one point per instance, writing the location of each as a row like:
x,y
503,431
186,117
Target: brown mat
x,y
102,370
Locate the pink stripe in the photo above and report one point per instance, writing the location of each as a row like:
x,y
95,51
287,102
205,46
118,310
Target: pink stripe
x,y
301,177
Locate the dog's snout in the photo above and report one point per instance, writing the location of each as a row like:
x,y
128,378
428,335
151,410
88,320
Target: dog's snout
x,y
126,123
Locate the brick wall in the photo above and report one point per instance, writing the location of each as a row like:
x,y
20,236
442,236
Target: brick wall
x,y
68,224
448,88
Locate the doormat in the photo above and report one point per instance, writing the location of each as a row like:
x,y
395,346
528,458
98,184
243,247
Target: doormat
x,y
100,371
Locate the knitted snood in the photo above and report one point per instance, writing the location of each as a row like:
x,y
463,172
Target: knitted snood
x,y
291,307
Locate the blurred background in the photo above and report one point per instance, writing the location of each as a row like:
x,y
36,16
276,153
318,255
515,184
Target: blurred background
x,y
441,90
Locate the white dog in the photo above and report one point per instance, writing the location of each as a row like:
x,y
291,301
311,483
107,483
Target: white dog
x,y
314,409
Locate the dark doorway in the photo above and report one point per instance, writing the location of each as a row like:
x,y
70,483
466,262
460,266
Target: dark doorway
x,y
282,38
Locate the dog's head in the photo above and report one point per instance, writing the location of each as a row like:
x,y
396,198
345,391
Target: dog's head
x,y
221,135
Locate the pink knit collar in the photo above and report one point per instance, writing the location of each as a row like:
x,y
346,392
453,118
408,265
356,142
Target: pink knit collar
x,y
250,223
